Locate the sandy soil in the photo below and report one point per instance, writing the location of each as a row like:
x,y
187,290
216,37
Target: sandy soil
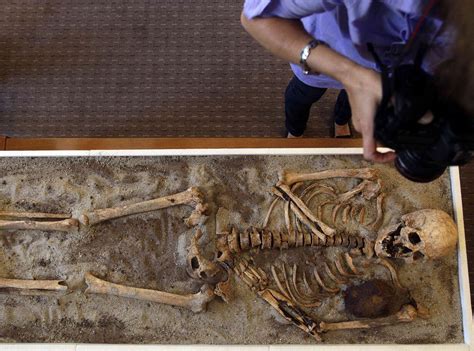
x,y
149,250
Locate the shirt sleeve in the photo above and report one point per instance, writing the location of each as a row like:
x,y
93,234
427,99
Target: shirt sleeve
x,y
294,9
441,49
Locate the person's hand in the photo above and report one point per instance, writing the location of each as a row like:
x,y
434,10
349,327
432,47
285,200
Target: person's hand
x,y
364,88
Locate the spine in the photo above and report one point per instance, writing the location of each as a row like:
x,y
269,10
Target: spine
x,y
264,239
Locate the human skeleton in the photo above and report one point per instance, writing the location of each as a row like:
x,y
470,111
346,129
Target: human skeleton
x,y
313,213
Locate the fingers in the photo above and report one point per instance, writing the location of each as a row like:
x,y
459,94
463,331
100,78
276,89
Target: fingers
x,y
371,153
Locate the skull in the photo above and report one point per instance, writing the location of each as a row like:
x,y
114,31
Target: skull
x,y
424,234
198,267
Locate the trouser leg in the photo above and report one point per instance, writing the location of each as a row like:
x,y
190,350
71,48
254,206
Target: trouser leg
x,y
299,98
342,109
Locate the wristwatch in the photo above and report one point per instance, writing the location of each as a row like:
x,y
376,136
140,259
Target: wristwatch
x,y
305,54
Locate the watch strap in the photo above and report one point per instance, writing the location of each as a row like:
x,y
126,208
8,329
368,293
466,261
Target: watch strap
x,y
305,55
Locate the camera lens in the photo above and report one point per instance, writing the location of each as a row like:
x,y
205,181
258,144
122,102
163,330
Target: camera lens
x,y
417,167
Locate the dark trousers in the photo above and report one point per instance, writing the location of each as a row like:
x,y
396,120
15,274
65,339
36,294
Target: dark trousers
x,y
299,98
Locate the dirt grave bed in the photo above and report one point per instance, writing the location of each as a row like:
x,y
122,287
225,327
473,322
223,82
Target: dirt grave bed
x,y
149,251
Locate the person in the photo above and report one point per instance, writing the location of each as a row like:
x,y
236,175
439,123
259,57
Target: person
x,y
333,35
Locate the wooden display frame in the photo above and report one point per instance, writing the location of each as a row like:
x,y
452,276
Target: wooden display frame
x,y
244,146
44,144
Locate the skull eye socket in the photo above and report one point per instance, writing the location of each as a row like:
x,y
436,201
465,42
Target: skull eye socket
x,y
194,263
418,256
414,238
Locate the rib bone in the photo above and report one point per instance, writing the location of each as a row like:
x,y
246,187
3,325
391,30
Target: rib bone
x,y
393,273
269,213
304,301
321,283
285,192
195,302
289,178
368,188
191,197
333,276
377,222
300,215
65,225
316,189
279,284
341,269
350,263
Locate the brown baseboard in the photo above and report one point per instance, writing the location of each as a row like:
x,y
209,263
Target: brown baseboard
x,y
27,144
3,143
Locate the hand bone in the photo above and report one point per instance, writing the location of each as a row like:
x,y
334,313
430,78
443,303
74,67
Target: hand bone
x,y
290,312
191,197
56,285
195,302
65,225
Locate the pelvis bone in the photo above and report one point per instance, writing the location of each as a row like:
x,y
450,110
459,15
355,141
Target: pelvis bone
x,y
198,267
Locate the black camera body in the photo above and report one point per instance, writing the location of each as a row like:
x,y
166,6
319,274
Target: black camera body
x,y
428,131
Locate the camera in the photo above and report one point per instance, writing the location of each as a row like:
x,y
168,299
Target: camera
x,y
428,130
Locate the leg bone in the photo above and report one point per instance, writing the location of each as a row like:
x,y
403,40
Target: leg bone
x,y
289,178
34,215
195,302
408,313
56,285
191,197
65,225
